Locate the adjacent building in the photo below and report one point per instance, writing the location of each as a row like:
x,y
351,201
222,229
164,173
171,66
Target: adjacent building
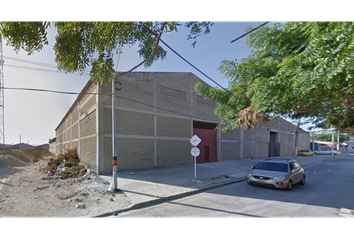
x,y
156,115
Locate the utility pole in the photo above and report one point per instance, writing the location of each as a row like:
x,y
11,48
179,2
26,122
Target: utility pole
x,y
114,143
2,112
252,143
20,138
114,140
296,136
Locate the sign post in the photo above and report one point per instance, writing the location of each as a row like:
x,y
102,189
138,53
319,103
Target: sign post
x,y
195,140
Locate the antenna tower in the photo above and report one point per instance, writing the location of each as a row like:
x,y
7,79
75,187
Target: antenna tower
x,y
2,124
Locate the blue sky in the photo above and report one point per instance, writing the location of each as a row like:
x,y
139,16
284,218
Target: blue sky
x,y
35,115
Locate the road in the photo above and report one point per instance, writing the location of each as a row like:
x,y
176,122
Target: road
x,y
328,192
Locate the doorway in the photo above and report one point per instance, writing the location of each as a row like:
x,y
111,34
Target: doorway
x,y
206,132
274,144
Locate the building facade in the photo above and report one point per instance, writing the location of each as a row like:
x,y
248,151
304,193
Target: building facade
x,y
156,115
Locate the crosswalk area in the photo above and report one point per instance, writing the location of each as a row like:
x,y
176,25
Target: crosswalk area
x,y
346,213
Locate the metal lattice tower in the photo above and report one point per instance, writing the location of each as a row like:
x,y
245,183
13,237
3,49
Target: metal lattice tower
x,y
2,119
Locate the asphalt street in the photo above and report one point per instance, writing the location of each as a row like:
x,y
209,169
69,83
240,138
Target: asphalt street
x,y
328,193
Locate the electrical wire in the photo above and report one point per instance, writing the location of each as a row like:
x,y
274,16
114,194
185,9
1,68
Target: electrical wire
x,y
86,93
254,29
187,61
39,64
127,99
47,90
31,62
44,70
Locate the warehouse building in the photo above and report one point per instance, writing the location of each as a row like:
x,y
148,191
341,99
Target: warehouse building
x,y
156,115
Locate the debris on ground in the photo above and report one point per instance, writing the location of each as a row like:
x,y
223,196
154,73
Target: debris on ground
x,y
67,165
62,186
40,188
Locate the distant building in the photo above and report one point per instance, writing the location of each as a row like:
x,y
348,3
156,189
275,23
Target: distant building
x,y
350,144
52,145
157,114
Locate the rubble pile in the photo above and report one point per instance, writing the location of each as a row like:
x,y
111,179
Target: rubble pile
x,y
63,172
67,165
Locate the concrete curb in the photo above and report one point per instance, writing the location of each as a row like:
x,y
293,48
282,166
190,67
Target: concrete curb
x,y
167,198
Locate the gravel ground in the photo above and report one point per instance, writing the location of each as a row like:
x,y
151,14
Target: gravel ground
x,y
28,192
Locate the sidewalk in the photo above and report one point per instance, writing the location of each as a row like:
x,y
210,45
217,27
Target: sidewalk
x,y
148,186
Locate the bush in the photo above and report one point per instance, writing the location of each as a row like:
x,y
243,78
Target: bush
x,y
70,154
53,161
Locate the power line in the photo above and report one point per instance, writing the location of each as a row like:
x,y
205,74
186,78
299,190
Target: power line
x,y
44,70
47,90
102,94
32,62
187,61
254,29
35,63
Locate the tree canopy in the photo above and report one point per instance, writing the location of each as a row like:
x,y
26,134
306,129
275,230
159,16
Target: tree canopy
x,y
295,69
82,44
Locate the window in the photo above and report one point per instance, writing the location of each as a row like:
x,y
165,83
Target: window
x,y
271,166
294,166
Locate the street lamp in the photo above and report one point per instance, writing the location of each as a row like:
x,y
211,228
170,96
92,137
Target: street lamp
x,y
20,138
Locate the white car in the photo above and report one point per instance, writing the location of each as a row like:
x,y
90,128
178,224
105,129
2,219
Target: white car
x,y
328,152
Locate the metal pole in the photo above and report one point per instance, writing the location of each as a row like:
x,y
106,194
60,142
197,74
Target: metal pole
x,y
252,143
114,144
313,142
332,140
296,137
195,166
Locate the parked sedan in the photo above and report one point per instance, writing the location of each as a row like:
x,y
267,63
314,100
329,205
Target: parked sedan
x,y
276,173
328,152
305,153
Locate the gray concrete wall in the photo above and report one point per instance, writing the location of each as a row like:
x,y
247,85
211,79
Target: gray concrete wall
x,y
78,128
155,113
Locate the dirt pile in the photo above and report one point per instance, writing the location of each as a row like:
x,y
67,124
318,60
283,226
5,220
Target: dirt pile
x,y
40,152
19,154
28,156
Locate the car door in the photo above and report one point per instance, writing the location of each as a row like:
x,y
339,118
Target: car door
x,y
321,152
295,171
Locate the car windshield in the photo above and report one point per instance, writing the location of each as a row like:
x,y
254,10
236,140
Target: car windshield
x,y
270,166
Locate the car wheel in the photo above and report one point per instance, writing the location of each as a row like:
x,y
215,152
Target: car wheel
x,y
290,186
302,182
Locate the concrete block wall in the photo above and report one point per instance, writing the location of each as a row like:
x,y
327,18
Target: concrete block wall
x,y
78,127
155,113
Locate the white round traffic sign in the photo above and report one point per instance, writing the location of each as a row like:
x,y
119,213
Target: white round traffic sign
x,y
195,152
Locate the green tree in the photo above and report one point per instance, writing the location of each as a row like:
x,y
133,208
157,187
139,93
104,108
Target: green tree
x,y
82,44
295,69
328,137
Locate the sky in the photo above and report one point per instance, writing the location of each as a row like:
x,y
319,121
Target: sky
x,y
35,115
